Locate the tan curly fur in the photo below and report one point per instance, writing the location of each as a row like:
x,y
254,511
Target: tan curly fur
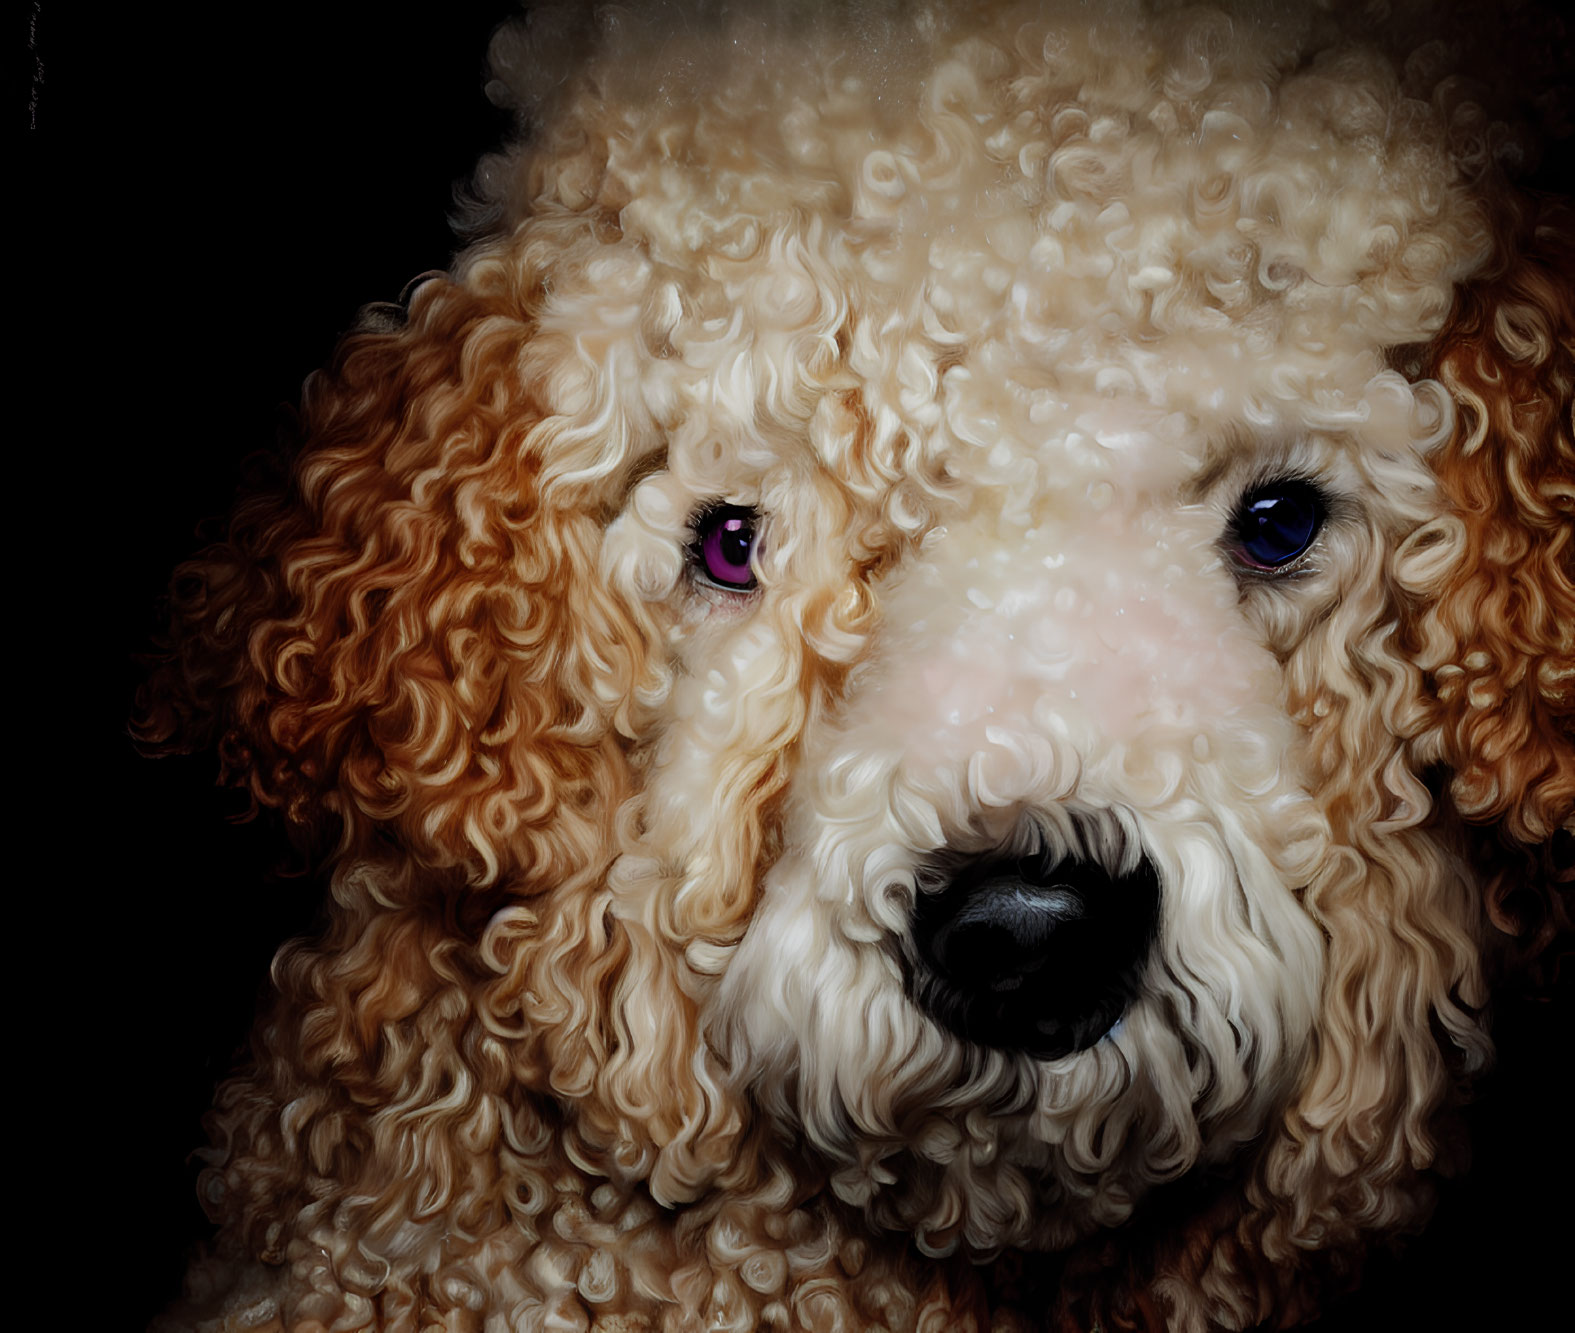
x,y
991,315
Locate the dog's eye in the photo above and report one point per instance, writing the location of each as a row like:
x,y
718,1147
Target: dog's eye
x,y
1275,522
724,541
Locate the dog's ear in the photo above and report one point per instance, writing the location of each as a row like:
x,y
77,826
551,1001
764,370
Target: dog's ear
x,y
1495,635
409,641
412,647
1455,652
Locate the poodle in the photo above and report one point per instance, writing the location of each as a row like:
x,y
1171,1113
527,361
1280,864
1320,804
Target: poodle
x,y
931,684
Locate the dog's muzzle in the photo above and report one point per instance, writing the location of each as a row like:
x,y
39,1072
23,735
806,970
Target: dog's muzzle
x,y
1031,953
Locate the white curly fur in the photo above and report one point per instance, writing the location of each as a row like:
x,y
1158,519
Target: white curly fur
x,y
994,313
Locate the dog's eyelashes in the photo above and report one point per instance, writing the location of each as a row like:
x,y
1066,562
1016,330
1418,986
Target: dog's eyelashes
x,y
1276,522
724,543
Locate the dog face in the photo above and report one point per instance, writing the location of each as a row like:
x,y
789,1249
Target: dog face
x,y
1105,483
889,628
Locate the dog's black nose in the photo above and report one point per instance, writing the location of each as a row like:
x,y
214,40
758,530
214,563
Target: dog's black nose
x,y
1034,953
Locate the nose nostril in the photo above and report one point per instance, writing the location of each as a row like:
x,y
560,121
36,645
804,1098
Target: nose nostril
x,y
1004,932
1032,954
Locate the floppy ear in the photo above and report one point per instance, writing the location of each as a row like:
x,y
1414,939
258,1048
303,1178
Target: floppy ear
x,y
1496,639
411,642
412,647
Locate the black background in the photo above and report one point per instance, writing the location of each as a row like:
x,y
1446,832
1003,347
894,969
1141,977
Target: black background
x,y
206,205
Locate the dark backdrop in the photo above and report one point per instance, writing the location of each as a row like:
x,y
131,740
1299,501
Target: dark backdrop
x,y
207,202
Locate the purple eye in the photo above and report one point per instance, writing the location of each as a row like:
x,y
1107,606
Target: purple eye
x,y
724,540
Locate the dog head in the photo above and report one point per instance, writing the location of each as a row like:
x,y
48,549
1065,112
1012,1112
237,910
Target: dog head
x,y
914,635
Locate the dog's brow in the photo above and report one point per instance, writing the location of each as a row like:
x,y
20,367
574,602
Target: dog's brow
x,y
647,466
1219,454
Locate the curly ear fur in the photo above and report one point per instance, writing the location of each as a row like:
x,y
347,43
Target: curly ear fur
x,y
1497,639
414,639
415,644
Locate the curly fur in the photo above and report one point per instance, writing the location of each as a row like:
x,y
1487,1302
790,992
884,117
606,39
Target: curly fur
x,y
993,312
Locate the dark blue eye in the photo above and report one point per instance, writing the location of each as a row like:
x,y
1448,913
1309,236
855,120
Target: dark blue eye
x,y
724,542
1275,522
